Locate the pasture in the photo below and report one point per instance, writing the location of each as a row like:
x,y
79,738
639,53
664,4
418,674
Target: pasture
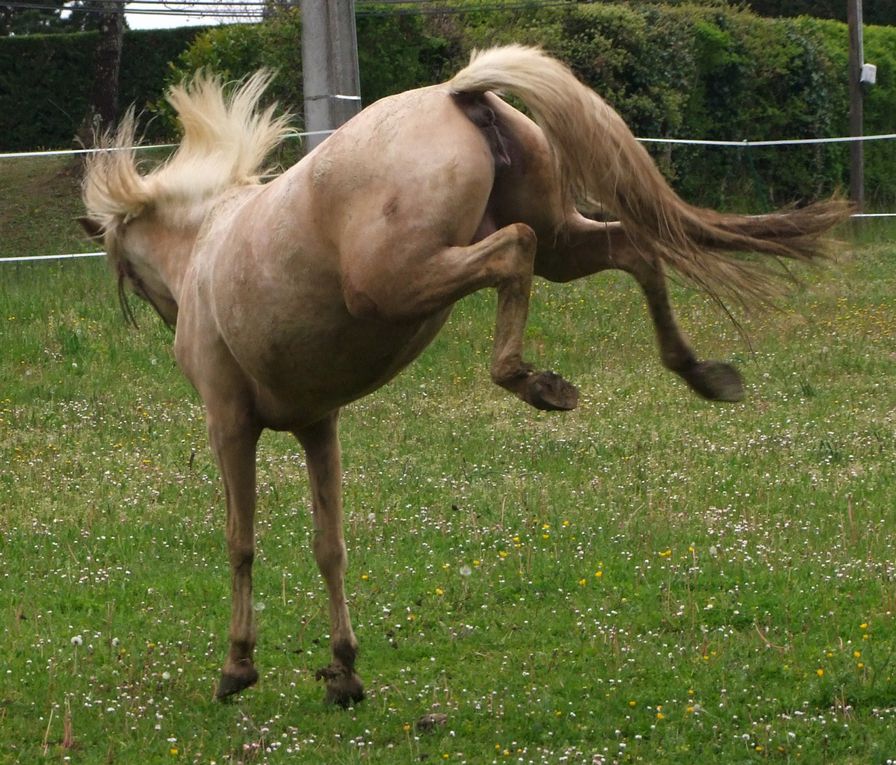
x,y
650,578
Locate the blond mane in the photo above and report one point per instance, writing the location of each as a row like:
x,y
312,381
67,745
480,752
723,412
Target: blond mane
x,y
225,141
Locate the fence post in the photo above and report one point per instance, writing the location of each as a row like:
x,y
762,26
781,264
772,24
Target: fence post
x,y
856,111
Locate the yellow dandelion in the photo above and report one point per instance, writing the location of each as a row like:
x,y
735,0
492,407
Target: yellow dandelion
x,y
440,591
598,573
819,672
502,554
365,577
857,654
632,703
860,665
583,582
667,553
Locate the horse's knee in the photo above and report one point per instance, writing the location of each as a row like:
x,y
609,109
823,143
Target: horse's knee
x,y
330,555
241,556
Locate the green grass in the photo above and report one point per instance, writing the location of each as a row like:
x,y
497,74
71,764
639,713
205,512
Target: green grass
x,y
650,578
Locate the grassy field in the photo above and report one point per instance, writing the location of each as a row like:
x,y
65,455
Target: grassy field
x,y
649,579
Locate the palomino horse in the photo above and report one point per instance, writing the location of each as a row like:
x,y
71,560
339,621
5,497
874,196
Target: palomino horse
x,y
293,298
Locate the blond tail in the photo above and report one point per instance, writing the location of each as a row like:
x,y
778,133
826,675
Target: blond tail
x,y
600,161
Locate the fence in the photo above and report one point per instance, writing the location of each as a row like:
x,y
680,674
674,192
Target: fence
x,y
676,141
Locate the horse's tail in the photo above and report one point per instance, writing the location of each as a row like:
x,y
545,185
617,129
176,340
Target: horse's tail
x,y
600,162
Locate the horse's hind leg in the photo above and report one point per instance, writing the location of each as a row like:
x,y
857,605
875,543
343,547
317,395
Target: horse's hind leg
x,y
585,247
409,289
321,443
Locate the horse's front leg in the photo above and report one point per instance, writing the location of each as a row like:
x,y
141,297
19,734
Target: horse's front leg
x,y
584,247
321,444
234,438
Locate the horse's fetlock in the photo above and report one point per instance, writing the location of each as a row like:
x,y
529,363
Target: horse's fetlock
x,y
679,362
510,372
345,651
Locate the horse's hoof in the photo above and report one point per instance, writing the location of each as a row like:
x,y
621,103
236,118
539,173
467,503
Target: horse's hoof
x,y
344,687
231,683
715,380
550,392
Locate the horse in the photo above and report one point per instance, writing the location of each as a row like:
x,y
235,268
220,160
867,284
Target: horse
x,y
291,298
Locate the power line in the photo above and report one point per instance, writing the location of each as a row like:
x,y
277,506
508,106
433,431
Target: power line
x,y
230,10
255,8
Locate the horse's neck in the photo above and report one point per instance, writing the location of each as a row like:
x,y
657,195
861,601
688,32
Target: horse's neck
x,y
160,260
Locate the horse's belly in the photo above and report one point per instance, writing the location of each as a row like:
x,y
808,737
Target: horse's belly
x,y
304,374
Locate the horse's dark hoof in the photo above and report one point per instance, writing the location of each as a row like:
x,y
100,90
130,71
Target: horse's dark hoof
x,y
344,687
230,683
715,380
550,392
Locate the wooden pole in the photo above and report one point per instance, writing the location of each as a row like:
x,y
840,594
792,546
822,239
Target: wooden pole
x,y
856,116
329,65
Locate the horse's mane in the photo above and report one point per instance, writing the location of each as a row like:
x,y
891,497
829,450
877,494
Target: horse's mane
x,y
225,141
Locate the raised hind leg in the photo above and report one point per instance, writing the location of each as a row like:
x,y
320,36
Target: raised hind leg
x,y
402,289
584,247
321,444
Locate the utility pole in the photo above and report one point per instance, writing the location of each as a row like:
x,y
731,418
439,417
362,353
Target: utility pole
x,y
856,111
329,65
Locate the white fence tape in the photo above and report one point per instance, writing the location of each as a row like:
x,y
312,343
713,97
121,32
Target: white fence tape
x,y
678,141
29,259
784,142
74,152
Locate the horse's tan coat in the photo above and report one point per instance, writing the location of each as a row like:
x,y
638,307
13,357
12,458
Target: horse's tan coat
x,y
294,298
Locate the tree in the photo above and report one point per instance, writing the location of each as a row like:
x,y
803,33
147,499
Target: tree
x,y
49,16
31,18
103,109
873,11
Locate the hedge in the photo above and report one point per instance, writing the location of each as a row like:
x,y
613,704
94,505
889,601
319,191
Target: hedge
x,y
677,69
45,82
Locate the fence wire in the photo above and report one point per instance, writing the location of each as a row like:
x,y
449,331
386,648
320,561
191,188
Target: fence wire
x,y
675,141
